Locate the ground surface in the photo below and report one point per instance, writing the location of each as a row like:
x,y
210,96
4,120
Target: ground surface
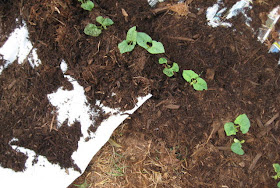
x,y
176,139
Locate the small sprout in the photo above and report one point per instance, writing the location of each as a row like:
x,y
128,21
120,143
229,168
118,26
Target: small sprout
x,y
142,39
92,30
276,167
104,21
87,4
236,147
198,83
241,121
129,44
168,70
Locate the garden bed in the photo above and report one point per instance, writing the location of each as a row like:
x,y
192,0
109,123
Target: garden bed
x,y
177,138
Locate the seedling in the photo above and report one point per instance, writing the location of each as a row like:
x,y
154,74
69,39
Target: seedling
x,y
194,79
104,21
168,70
276,167
87,4
241,122
236,147
94,30
142,39
130,42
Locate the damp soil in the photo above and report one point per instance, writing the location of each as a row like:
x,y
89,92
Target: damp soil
x,y
241,76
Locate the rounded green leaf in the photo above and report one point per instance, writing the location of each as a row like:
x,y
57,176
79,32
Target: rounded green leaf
x,y
200,84
188,75
276,167
168,72
88,5
100,19
92,30
244,123
125,47
175,67
104,21
143,39
162,60
236,147
131,35
156,48
278,184
230,129
107,22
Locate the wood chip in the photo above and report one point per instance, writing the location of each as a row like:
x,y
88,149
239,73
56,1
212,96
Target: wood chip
x,y
259,122
254,162
172,106
87,89
12,84
271,120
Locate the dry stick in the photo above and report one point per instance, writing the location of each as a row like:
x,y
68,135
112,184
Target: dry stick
x,y
266,126
271,120
183,39
254,162
51,126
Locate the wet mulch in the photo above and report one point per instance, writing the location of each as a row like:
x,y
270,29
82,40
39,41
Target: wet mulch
x,y
242,78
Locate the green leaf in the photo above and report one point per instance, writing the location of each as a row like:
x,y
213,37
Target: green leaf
x,y
92,30
156,48
236,147
276,167
88,5
143,39
175,67
230,129
278,184
168,72
162,60
131,35
125,47
188,75
244,123
200,84
100,19
104,21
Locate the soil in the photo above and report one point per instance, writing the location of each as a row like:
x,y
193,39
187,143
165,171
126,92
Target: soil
x,y
180,129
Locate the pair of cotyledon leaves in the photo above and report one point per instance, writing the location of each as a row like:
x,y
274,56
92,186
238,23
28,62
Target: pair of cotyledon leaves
x,y
142,39
95,31
243,122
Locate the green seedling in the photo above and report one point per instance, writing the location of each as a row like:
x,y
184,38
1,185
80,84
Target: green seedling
x,y
236,147
276,167
129,43
241,122
104,21
94,30
87,4
194,79
168,70
142,39
146,42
